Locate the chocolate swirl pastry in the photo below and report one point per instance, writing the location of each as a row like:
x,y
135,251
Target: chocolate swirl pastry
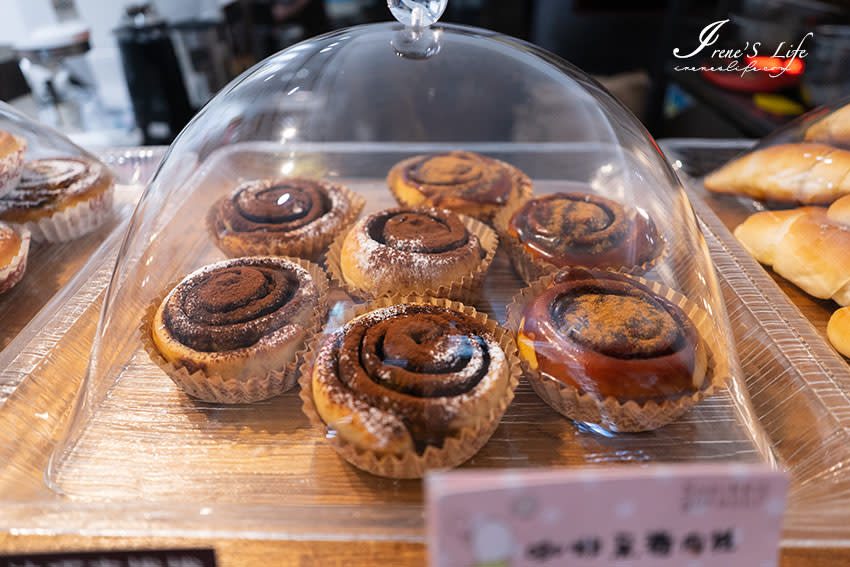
x,y
576,229
51,185
412,249
239,318
288,216
464,182
606,334
404,377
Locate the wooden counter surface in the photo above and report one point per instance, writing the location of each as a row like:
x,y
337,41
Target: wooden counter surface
x,y
237,552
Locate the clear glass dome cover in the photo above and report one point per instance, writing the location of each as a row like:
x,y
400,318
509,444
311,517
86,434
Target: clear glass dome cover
x,y
59,201
345,108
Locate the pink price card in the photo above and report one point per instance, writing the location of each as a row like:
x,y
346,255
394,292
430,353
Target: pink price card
x,y
630,516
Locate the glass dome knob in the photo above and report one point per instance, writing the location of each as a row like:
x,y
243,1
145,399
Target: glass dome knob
x,y
417,13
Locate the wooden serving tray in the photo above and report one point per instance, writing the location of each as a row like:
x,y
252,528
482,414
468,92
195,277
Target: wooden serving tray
x,y
797,383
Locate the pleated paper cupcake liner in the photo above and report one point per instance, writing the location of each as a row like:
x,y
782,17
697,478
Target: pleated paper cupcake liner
x,y
308,247
457,448
214,388
74,221
611,413
465,290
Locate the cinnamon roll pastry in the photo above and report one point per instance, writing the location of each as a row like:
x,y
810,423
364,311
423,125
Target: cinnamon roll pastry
x,y
60,199
14,248
289,217
414,250
467,183
12,150
608,348
577,229
230,328
407,380
606,334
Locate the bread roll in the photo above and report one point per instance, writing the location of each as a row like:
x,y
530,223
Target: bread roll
x,y
832,129
806,174
805,247
839,211
838,330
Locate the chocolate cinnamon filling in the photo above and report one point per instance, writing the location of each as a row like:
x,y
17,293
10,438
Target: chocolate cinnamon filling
x,y
425,232
272,206
460,174
281,203
230,307
622,325
411,360
583,229
46,181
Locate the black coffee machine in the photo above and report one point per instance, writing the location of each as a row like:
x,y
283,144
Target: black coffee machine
x,y
158,93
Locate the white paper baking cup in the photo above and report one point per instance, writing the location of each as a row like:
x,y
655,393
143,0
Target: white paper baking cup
x,y
74,221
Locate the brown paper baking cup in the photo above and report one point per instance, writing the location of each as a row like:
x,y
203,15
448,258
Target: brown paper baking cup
x,y
465,290
311,248
530,268
525,191
610,413
214,388
455,449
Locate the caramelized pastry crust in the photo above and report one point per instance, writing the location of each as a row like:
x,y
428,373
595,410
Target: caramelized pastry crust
x,y
575,229
606,334
464,182
403,377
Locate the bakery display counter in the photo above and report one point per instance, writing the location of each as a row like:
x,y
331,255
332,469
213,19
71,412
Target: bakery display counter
x,y
355,265
796,381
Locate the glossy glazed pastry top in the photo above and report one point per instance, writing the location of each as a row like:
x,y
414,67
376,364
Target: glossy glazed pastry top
x,y
576,229
607,334
289,216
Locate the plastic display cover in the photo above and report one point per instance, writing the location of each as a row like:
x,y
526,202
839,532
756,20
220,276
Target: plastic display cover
x,y
346,108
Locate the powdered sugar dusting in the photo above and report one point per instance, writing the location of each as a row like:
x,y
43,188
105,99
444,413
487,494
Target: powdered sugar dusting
x,y
385,424
386,267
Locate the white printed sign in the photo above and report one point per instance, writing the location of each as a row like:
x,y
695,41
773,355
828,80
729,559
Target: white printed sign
x,y
682,515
